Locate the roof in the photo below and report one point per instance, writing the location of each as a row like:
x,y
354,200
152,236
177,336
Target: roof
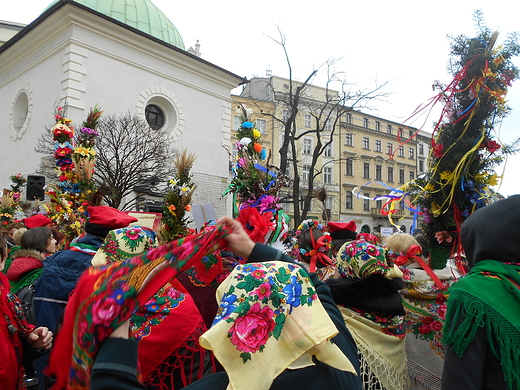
x,y
140,14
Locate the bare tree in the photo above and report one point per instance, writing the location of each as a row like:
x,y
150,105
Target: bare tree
x,y
327,114
130,154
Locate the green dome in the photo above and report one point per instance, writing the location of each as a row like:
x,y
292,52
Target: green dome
x,y
140,14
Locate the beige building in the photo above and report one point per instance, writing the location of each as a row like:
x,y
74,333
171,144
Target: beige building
x,y
368,158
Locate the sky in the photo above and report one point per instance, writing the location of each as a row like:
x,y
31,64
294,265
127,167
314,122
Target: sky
x,y
404,43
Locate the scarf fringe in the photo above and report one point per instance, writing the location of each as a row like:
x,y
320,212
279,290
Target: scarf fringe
x,y
475,314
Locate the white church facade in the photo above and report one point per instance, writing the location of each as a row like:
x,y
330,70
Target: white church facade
x,y
84,56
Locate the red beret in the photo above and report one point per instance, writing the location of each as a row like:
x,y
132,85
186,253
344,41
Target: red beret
x,y
342,230
38,220
109,217
342,226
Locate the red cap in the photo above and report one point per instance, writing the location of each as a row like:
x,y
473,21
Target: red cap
x,y
342,226
342,230
38,220
109,217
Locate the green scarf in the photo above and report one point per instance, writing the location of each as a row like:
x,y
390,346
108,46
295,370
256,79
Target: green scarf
x,y
28,279
488,296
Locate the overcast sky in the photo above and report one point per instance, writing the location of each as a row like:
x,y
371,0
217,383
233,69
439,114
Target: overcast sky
x,y
402,42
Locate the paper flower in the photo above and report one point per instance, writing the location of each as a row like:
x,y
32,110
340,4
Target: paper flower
x,y
256,225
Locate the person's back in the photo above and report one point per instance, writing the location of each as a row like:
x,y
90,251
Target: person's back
x,y
367,294
59,277
482,325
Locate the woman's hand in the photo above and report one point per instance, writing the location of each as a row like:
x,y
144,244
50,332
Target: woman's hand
x,y
40,338
238,240
123,331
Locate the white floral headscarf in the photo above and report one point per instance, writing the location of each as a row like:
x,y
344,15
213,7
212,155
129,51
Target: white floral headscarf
x,y
125,243
270,319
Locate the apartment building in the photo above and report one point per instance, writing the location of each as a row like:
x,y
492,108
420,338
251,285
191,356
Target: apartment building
x,y
369,157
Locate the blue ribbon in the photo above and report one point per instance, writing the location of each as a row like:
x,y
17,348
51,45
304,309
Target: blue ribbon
x,y
264,169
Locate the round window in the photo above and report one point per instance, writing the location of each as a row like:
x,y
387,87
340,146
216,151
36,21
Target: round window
x,y
154,116
21,108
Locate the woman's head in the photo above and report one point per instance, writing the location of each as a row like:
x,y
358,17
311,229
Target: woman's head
x,y
125,243
400,243
58,236
39,239
17,235
360,259
15,227
314,248
270,313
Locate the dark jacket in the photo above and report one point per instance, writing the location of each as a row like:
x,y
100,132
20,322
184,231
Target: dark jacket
x,y
116,366
60,274
375,294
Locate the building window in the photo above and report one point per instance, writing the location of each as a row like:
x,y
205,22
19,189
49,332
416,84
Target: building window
x,y
389,129
366,123
349,201
389,148
390,174
378,145
261,126
307,144
328,125
327,152
400,133
421,149
235,150
348,119
379,174
349,167
236,122
366,143
305,172
307,120
411,153
329,204
378,126
285,116
412,175
366,202
327,175
366,170
348,139
379,203
154,116
410,134
421,166
400,151
401,176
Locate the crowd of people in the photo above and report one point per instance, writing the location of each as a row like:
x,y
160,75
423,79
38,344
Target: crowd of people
x,y
118,309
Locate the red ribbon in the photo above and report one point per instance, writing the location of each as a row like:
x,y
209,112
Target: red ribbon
x,y
317,255
412,254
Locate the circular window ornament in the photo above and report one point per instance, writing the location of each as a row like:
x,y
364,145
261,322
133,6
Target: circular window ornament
x,y
20,114
154,116
162,111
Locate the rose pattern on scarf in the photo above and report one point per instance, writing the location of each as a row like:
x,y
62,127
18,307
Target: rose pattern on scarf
x,y
256,304
250,332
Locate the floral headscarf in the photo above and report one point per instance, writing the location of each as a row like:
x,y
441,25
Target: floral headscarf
x,y
359,259
270,319
125,243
